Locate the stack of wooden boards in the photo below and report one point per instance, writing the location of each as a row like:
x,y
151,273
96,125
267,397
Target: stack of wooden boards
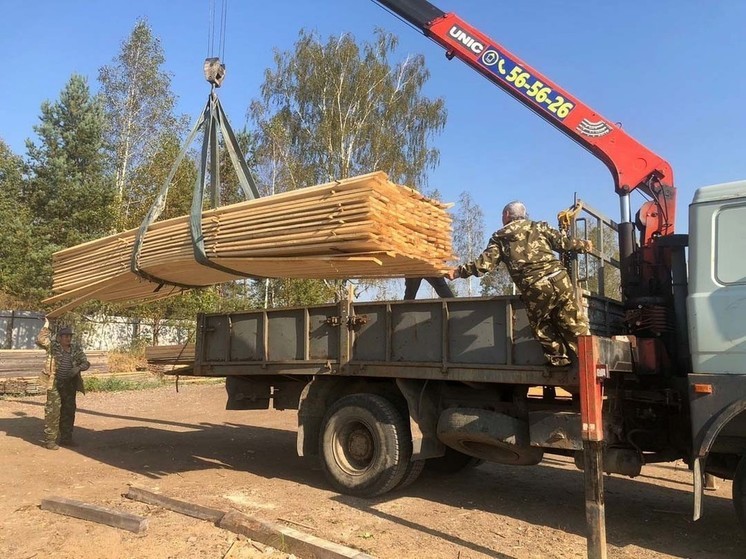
x,y
362,227
169,358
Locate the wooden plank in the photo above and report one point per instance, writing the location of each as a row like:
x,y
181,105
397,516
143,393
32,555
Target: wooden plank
x,y
189,509
95,513
287,539
323,232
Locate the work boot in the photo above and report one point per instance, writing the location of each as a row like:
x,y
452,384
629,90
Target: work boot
x,y
51,446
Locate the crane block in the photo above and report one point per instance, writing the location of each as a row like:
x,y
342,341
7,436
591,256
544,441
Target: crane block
x,y
214,71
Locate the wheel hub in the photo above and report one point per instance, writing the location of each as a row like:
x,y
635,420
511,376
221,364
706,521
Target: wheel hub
x,y
360,445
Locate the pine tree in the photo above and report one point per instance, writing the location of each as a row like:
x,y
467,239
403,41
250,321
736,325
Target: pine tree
x,y
68,194
25,265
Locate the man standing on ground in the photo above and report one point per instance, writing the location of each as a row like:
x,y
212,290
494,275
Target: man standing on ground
x,y
64,363
527,249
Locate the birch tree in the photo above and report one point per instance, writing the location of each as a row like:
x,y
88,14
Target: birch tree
x,y
139,107
468,232
337,108
334,108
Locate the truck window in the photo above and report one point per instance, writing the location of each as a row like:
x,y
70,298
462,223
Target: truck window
x,y
730,235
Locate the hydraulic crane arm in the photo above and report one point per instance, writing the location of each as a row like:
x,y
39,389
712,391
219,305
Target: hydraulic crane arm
x,y
632,165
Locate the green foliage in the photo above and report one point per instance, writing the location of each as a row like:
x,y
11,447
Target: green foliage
x,y
147,179
337,109
331,109
68,194
114,384
286,292
24,259
230,190
139,106
468,232
601,277
497,282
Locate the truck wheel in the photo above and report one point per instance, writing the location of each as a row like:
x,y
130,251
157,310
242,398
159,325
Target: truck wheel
x,y
413,471
739,492
452,462
365,445
489,435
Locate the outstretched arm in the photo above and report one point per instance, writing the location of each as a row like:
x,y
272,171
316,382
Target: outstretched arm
x,y
485,262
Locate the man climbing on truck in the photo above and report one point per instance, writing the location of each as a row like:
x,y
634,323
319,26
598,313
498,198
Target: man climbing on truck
x,y
527,249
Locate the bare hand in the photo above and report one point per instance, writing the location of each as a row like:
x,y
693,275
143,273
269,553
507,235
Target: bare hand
x,y
588,245
452,274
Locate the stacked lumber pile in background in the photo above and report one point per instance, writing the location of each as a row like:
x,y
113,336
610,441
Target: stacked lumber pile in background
x,y
20,369
362,227
30,362
169,358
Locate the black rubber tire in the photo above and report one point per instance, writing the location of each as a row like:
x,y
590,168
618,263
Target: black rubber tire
x,y
490,435
739,492
413,471
365,445
452,462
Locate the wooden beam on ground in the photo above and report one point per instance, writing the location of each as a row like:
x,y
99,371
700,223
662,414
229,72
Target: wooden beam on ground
x,y
94,513
287,539
189,509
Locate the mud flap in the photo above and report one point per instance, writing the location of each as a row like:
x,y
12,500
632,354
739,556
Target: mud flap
x,y
698,488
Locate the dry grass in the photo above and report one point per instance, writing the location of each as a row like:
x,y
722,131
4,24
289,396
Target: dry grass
x,y
126,361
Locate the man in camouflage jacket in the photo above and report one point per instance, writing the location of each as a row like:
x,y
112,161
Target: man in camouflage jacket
x,y
527,249
61,375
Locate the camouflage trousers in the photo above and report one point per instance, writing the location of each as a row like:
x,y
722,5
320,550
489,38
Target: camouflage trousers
x,y
59,411
554,315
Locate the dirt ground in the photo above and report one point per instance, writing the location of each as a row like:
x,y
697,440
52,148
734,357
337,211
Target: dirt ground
x,y
185,445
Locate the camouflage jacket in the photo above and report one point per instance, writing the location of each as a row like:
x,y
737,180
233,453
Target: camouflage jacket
x,y
527,249
54,348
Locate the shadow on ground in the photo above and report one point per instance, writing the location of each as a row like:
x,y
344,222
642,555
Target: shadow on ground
x,y
639,512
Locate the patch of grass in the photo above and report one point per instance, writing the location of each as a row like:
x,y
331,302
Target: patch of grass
x,y
114,384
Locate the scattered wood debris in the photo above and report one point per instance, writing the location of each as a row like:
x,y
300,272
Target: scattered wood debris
x,y
95,513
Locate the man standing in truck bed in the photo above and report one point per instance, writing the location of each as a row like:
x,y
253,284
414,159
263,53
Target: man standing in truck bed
x,y
527,249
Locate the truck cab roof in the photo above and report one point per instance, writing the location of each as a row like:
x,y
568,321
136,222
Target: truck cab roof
x,y
723,191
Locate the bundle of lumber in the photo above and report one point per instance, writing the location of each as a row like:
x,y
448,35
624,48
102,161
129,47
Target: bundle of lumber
x,y
362,227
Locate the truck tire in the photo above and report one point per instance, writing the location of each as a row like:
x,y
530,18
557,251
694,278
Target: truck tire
x,y
365,445
489,435
452,462
413,471
739,492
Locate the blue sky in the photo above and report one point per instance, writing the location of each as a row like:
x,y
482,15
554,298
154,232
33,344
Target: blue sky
x,y
672,72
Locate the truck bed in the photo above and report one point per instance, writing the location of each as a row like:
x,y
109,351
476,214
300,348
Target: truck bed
x,y
464,339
